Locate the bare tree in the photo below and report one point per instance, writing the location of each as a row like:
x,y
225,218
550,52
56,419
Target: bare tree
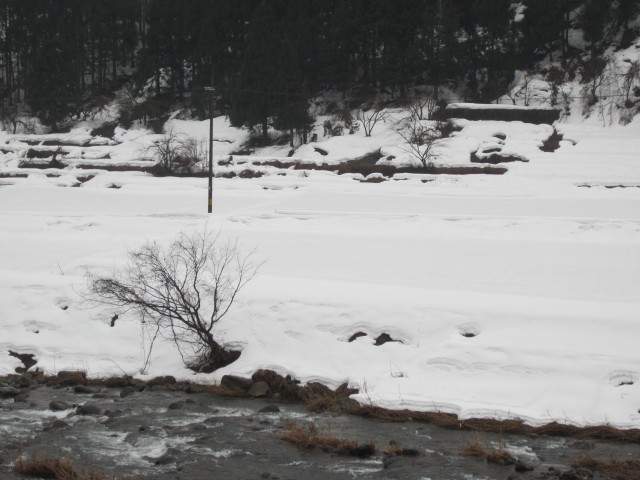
x,y
12,118
421,137
423,105
181,292
369,116
630,88
525,90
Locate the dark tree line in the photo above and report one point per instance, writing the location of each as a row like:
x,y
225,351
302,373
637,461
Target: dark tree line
x,y
267,58
60,56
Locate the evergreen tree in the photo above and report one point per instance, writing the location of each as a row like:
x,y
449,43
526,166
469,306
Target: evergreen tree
x,y
256,94
596,22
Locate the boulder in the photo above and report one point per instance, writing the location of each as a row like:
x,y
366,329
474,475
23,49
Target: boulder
x,y
58,405
83,390
236,383
8,392
270,409
22,397
126,391
259,389
162,380
55,425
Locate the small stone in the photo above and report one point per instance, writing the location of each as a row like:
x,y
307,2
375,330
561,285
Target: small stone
x,y
522,467
165,460
126,391
176,406
384,338
71,378
270,409
84,390
168,457
259,389
357,335
88,409
570,475
58,405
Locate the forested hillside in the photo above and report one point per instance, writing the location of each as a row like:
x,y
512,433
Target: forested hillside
x,y
65,60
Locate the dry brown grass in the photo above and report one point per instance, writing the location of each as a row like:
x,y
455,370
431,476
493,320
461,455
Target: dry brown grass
x,y
510,426
225,391
395,448
56,468
474,448
312,437
478,448
612,469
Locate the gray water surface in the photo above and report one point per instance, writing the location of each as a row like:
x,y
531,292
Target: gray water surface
x,y
175,435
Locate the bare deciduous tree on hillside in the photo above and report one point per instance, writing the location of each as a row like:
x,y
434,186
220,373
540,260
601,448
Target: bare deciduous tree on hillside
x,y
369,116
180,292
525,91
423,105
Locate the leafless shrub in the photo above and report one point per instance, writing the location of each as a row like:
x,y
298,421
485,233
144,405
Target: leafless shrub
x,y
369,116
178,153
180,292
420,137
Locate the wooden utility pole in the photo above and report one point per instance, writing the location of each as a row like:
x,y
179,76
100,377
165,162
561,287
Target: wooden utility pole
x,y
211,91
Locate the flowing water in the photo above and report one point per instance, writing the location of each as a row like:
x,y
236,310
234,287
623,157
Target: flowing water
x,y
175,435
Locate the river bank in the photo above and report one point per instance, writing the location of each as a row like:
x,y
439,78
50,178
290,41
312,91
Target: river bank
x,y
168,429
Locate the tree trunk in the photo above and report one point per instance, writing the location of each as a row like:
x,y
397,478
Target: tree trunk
x,y
216,357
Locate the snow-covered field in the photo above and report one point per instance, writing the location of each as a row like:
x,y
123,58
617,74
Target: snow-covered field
x,y
541,264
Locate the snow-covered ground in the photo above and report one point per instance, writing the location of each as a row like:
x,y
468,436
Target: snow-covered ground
x,y
541,265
